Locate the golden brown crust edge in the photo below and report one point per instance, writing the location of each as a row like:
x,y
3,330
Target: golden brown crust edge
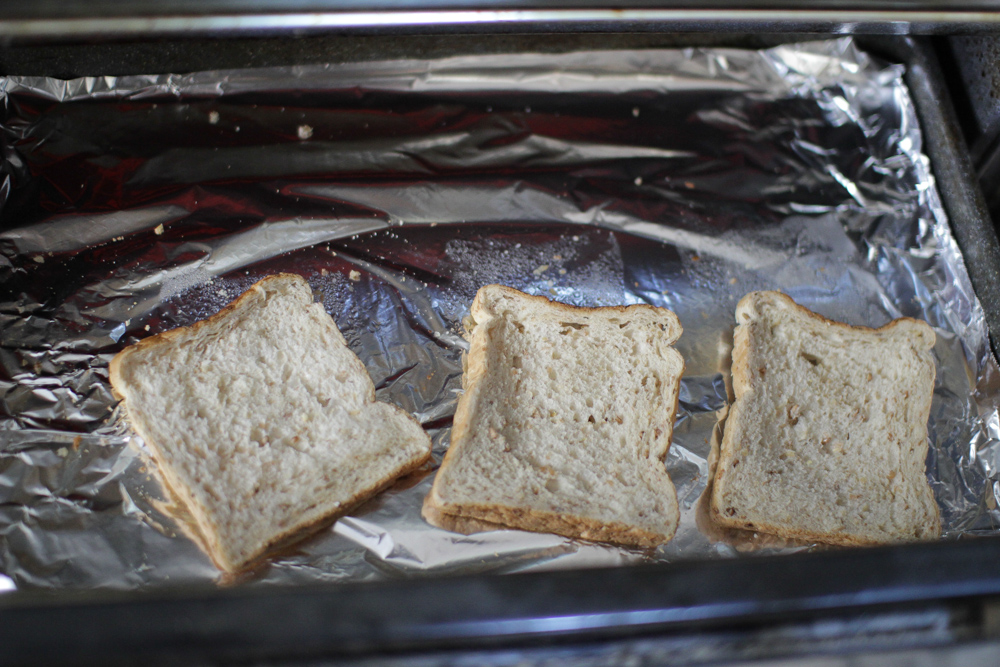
x,y
741,381
474,367
570,308
457,524
887,327
536,521
175,487
522,518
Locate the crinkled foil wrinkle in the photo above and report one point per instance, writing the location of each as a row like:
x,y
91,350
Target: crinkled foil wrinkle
x,y
681,178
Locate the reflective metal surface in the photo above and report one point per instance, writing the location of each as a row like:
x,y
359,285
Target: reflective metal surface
x,y
678,178
185,19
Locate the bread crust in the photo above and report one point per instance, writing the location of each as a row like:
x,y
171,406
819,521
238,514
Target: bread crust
x,y
311,520
499,517
457,524
468,516
742,382
675,327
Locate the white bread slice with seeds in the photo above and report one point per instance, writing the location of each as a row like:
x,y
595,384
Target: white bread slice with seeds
x,y
827,438
262,421
565,421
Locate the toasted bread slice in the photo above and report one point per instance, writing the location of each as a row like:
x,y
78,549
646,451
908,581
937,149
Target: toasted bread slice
x,y
262,421
565,421
827,438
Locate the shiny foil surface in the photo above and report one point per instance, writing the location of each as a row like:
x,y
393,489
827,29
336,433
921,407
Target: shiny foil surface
x,y
682,179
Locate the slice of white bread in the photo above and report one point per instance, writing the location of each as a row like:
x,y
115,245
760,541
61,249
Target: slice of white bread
x,y
262,421
827,438
565,421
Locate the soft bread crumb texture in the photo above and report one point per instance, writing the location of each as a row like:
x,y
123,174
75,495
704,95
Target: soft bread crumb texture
x,y
565,421
262,421
827,438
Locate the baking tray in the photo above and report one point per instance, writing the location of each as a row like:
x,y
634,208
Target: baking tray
x,y
483,610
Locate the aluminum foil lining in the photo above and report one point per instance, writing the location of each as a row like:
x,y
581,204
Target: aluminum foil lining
x,y
683,179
